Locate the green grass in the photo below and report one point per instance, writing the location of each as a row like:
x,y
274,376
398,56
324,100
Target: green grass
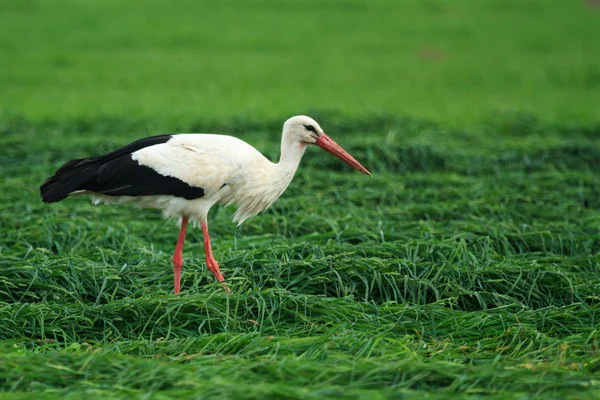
x,y
456,62
467,267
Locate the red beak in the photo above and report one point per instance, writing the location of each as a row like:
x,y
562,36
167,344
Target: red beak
x,y
329,145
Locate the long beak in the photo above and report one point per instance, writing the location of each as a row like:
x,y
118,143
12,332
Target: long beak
x,y
329,145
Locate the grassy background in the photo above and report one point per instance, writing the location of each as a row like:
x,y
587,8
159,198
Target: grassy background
x,y
467,266
454,62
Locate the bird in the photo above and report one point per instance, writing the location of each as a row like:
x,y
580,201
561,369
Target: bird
x,y
185,174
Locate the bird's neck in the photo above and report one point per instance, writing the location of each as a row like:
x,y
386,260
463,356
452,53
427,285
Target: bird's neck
x,y
291,154
262,189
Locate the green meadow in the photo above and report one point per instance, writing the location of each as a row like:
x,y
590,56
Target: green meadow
x,y
467,267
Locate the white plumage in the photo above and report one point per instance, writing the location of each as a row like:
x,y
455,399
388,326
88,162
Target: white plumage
x,y
227,168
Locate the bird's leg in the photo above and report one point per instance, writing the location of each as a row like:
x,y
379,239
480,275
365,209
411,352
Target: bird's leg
x,y
211,263
178,255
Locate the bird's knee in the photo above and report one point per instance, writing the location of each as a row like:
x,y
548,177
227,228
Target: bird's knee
x,y
177,262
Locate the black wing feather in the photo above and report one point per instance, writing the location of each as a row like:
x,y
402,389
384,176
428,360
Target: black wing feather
x,y
116,174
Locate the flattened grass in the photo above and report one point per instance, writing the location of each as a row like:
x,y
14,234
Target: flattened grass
x,y
454,271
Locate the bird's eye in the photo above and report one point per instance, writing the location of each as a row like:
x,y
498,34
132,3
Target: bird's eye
x,y
310,128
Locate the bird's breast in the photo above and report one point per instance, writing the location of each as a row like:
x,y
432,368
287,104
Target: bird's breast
x,y
257,192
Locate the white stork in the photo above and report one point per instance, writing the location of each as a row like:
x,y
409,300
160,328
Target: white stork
x,y
184,175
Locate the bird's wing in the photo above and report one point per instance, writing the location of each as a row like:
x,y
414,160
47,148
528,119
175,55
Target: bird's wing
x,y
116,174
200,160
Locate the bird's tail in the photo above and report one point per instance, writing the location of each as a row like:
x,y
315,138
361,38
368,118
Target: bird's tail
x,y
68,179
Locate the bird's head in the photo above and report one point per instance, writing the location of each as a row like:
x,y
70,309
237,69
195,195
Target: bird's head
x,y
305,130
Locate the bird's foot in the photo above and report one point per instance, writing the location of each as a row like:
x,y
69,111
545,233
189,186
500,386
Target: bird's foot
x,y
214,268
226,289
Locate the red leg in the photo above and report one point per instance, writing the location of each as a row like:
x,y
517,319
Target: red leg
x,y
177,256
211,263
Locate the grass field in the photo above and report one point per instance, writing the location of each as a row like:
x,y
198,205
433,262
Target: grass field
x,y
467,267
